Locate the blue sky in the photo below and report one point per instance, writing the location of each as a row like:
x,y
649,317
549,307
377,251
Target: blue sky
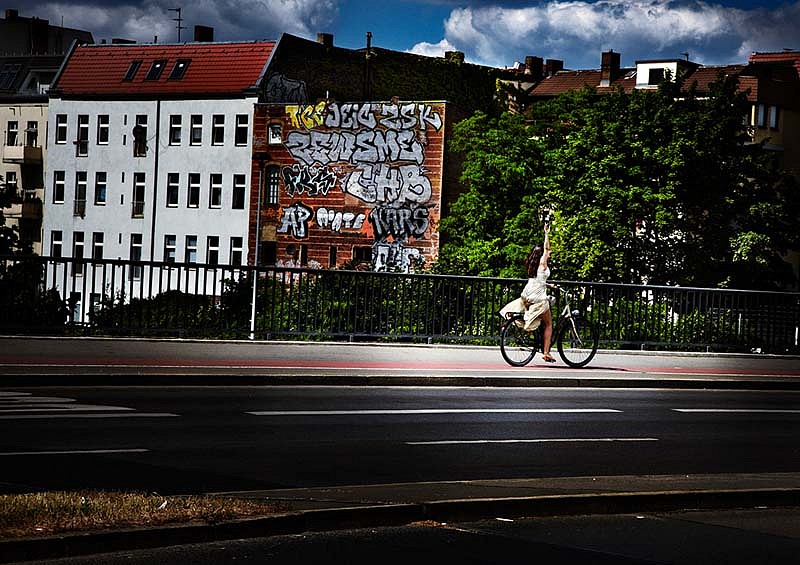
x,y
497,33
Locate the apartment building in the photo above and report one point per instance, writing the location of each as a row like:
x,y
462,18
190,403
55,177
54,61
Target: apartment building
x,y
150,154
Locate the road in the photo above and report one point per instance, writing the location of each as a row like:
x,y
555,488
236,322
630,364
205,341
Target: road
x,y
211,439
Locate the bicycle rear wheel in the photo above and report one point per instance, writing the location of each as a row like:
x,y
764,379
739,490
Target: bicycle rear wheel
x,y
577,341
517,346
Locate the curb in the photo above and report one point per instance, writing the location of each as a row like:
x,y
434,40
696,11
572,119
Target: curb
x,y
194,379
71,545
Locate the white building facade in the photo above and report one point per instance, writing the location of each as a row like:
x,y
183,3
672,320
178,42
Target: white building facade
x,y
143,175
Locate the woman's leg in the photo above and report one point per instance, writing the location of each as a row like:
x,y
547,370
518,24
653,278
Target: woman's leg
x,y
547,331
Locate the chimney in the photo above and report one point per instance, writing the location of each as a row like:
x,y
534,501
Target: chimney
x,y
534,66
325,39
203,34
12,14
456,57
609,68
552,66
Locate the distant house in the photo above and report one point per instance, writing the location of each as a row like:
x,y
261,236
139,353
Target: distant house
x,y
31,53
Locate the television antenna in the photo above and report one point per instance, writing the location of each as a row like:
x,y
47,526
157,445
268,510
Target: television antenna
x,y
179,21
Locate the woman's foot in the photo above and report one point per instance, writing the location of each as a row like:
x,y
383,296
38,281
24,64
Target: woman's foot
x,y
548,358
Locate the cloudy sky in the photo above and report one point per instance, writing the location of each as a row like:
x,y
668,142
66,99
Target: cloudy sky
x,y
497,33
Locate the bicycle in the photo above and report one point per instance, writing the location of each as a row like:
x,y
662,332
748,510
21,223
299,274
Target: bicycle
x,y
576,337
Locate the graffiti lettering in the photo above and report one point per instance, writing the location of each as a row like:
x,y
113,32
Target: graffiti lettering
x,y
364,147
313,181
338,220
308,117
295,220
279,88
351,116
394,255
400,223
384,184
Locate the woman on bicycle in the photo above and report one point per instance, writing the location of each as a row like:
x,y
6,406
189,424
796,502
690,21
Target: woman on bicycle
x,y
534,301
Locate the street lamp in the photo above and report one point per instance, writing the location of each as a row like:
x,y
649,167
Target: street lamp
x,y
261,157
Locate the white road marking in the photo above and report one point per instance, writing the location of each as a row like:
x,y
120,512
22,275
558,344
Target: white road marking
x,y
536,440
88,415
433,411
75,452
736,411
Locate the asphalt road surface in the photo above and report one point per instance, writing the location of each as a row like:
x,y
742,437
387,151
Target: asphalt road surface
x,y
211,439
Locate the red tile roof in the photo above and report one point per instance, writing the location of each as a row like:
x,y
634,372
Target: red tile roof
x,y
792,57
564,81
214,69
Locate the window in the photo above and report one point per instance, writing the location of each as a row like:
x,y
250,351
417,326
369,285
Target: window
x,y
175,130
136,255
761,116
82,143
140,136
102,129
196,132
332,252
274,134
212,250
32,134
273,184
655,76
100,182
773,117
215,191
191,249
12,133
97,245
241,129
61,128
193,200
267,253
237,198
77,253
137,206
155,70
217,129
236,251
179,69
362,254
79,208
58,187
173,188
11,180
170,243
132,70
55,243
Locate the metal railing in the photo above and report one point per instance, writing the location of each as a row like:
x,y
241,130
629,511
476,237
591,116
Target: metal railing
x,y
114,297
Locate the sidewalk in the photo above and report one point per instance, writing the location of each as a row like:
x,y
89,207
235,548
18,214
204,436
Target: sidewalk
x,y
376,506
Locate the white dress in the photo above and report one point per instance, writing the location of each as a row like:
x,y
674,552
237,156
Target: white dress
x,y
533,301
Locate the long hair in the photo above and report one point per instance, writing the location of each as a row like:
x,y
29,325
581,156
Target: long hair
x,y
533,260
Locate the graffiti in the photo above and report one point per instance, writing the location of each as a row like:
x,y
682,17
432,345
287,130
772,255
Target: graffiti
x,y
308,117
386,256
295,220
397,117
383,184
279,88
300,179
367,146
400,223
338,220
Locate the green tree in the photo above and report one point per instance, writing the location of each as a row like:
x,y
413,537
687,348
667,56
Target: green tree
x,y
652,186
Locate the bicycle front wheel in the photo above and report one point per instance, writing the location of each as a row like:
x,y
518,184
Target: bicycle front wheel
x,y
517,346
577,341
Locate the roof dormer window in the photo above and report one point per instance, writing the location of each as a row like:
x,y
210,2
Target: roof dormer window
x,y
156,69
179,69
132,70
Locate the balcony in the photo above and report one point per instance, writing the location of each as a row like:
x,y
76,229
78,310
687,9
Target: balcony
x,y
22,154
28,209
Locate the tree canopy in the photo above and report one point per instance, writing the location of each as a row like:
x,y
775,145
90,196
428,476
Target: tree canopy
x,y
659,186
